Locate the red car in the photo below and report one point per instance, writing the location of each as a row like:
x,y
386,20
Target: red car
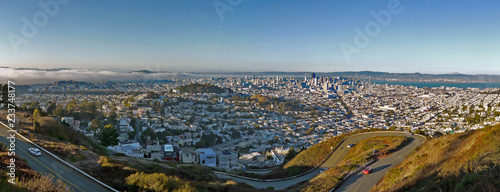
x,y
367,170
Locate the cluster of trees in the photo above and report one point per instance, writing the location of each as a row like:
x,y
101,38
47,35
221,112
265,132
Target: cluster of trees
x,y
127,101
108,135
233,133
280,105
30,106
208,140
202,88
84,109
156,105
161,136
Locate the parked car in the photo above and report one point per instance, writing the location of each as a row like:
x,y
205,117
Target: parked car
x,y
35,151
367,170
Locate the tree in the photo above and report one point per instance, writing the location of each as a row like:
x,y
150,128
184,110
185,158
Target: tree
x,y
88,107
109,135
95,125
310,130
149,132
291,153
71,106
59,112
34,105
235,134
51,107
36,115
112,114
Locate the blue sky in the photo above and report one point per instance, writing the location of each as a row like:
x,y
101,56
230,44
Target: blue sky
x,y
427,36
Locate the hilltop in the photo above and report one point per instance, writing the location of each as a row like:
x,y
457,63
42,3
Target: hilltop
x,y
202,88
459,162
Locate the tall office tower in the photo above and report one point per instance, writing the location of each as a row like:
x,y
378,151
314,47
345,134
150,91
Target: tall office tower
x,y
370,80
313,75
305,77
325,86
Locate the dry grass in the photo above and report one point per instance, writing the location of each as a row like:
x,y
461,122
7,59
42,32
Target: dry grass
x,y
359,155
43,183
311,157
441,163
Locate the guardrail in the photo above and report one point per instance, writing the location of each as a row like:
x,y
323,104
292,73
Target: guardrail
x,y
311,170
69,165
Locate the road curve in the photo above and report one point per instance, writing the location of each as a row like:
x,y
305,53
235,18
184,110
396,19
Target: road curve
x,y
336,157
362,182
50,165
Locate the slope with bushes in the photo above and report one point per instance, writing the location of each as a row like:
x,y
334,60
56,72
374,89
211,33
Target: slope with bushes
x,y
359,155
311,157
468,161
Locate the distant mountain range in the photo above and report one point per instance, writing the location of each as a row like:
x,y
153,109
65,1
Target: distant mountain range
x,y
34,75
143,72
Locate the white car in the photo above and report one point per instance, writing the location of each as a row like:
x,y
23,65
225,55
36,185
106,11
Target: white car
x,y
35,151
350,145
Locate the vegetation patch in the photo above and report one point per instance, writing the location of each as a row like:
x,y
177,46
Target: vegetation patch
x,y
468,161
311,157
202,88
157,182
359,155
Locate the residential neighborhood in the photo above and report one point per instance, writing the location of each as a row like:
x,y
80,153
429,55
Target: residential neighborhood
x,y
254,121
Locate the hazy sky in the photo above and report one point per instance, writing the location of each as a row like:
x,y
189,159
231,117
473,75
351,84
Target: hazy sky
x,y
426,36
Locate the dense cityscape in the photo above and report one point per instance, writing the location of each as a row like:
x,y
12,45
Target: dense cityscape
x,y
249,96
253,121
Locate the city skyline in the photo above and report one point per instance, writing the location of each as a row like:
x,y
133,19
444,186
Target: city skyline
x,y
253,36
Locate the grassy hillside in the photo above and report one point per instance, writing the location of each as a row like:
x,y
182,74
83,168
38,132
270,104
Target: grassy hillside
x,y
460,162
311,157
359,155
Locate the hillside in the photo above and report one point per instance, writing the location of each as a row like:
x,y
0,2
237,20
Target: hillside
x,y
459,162
359,155
201,88
120,172
311,157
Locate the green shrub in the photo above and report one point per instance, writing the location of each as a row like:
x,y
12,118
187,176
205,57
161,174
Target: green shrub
x,y
156,182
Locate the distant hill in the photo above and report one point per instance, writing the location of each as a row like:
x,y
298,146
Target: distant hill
x,y
459,162
202,88
143,72
69,82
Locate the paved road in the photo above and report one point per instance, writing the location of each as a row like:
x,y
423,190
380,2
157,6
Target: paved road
x,y
334,159
362,182
49,165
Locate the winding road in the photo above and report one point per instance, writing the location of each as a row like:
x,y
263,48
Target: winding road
x,y
50,165
357,182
